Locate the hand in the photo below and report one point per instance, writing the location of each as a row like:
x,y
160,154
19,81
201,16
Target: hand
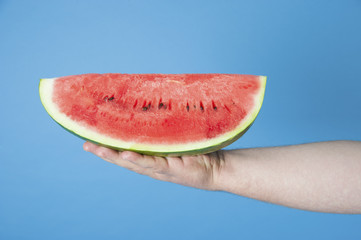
x,y
200,171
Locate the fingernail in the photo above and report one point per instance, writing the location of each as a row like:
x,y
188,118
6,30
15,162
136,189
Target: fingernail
x,y
86,148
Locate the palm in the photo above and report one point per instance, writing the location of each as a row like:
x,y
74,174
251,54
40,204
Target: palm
x,y
199,171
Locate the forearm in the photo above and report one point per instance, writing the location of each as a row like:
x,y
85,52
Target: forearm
x,y
318,176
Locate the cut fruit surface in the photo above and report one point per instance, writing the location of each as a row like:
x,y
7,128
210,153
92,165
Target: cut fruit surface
x,y
158,114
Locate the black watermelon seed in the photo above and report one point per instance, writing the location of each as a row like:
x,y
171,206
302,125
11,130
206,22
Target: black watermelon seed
x,y
187,108
201,105
111,98
144,108
214,105
160,105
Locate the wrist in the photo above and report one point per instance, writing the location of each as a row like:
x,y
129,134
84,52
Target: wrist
x,y
231,176
221,170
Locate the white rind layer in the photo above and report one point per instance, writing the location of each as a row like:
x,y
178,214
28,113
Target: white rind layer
x,y
46,95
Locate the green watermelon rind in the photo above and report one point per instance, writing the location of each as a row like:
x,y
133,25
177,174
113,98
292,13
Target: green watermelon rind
x,y
231,136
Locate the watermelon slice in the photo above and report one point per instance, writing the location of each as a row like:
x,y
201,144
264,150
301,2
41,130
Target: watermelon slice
x,y
157,114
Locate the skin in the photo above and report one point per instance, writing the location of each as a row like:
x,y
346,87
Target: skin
x,y
322,177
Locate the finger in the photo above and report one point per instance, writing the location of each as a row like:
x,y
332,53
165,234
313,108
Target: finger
x,y
130,161
102,152
155,164
154,167
111,156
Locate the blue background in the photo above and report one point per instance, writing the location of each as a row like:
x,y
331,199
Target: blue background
x,y
51,189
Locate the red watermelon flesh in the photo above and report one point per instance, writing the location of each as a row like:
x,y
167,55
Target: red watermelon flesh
x,y
157,109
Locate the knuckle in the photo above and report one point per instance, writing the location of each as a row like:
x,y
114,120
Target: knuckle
x,y
160,165
136,169
160,176
101,153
